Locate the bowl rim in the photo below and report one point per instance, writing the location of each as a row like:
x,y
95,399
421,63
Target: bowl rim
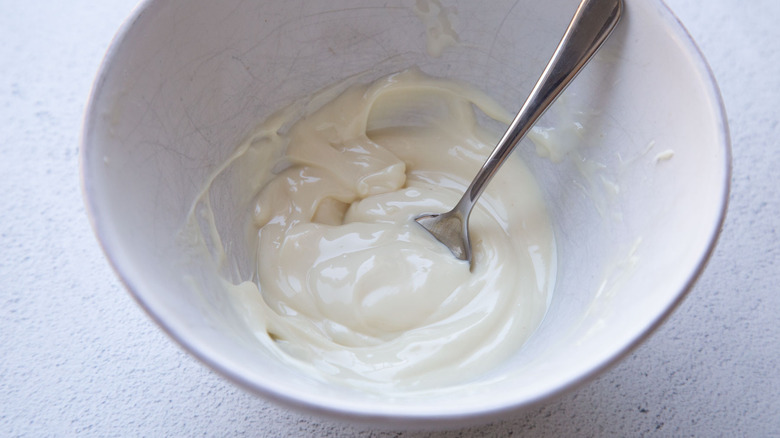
x,y
200,349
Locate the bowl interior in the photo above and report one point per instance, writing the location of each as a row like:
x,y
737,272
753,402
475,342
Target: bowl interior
x,y
637,187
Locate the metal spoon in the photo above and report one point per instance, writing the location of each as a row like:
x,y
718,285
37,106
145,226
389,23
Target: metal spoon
x,y
590,27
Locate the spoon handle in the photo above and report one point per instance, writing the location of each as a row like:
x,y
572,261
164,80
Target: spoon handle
x,y
591,25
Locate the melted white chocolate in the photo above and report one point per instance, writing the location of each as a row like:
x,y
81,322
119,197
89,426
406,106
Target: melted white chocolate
x,y
347,286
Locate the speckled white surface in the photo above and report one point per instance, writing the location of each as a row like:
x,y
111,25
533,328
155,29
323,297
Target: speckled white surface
x,y
78,356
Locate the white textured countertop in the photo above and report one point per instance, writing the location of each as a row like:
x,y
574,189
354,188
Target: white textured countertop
x,y
78,356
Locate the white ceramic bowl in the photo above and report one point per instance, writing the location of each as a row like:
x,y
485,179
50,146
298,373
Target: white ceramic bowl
x,y
185,81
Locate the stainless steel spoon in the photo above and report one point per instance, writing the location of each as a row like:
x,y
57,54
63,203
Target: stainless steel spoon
x,y
590,27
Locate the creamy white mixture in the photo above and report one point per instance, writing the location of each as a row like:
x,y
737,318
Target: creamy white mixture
x,y
438,21
347,286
